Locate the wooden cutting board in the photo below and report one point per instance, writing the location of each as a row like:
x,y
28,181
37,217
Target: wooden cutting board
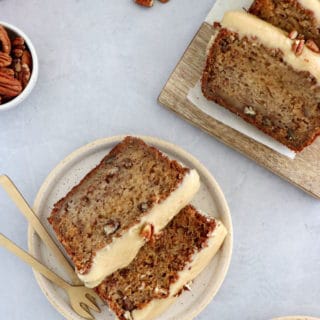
x,y
303,171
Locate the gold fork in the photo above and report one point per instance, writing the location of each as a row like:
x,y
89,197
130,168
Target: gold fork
x,y
78,295
33,219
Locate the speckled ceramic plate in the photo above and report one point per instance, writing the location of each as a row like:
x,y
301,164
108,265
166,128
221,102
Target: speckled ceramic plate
x,y
296,318
209,199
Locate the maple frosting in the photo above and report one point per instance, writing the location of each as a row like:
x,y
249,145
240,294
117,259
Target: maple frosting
x,y
312,5
248,25
121,251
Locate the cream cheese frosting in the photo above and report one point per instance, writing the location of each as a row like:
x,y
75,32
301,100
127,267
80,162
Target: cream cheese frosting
x,y
312,5
121,251
197,264
248,25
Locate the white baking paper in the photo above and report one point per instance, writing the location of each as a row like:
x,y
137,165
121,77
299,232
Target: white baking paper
x,y
221,114
221,6
231,120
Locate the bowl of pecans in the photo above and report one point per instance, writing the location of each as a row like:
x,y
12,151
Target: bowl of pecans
x,y
18,66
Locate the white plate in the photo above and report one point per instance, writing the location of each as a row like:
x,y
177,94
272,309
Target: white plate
x,y
209,199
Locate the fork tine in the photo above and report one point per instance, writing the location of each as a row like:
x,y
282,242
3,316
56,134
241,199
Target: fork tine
x,y
82,310
93,295
91,303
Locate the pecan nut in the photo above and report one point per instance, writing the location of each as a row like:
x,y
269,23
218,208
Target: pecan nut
x,y
111,227
22,62
147,231
5,41
310,44
249,111
144,3
5,60
25,75
26,58
298,46
293,34
8,71
16,64
18,41
22,71
18,47
143,206
9,87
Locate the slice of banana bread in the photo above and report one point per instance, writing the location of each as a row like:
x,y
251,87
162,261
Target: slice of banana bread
x,y
300,15
163,266
271,81
104,220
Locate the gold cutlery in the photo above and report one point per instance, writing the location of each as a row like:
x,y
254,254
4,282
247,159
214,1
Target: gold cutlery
x,y
33,219
79,296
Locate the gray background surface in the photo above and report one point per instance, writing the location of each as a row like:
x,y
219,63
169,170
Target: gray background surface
x,y
102,66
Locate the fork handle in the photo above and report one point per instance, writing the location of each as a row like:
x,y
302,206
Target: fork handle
x,y
34,263
23,206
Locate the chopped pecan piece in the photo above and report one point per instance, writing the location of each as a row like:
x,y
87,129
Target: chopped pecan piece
x,y
249,111
143,207
310,44
293,34
111,227
147,231
298,46
217,25
26,58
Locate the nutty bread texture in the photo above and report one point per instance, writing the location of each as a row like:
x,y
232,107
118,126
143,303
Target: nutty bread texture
x,y
288,15
112,197
255,83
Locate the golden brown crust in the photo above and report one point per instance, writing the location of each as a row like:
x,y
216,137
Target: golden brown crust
x,y
255,83
155,268
112,197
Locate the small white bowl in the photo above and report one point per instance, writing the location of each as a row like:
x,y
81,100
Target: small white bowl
x,y
14,31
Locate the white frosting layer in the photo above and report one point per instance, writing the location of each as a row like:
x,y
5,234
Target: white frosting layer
x,y
312,5
121,251
248,25
199,261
